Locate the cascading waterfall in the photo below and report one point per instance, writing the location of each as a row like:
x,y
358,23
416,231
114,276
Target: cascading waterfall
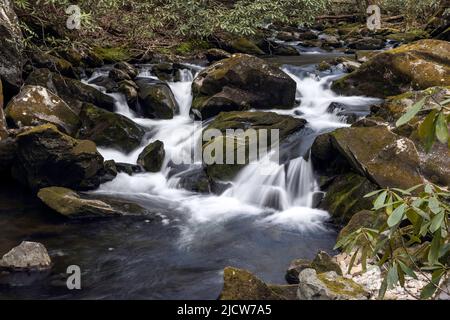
x,y
283,196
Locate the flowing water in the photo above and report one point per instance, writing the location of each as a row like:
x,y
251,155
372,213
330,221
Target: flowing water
x,y
260,223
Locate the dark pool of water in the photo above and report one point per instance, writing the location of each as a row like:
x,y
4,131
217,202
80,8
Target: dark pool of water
x,y
137,258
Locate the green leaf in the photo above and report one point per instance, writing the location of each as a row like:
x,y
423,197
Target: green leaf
x,y
411,112
379,202
407,270
434,205
430,288
433,254
397,216
427,130
371,194
441,128
383,288
436,222
392,276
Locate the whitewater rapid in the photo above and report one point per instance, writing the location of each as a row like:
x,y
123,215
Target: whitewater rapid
x,y
284,198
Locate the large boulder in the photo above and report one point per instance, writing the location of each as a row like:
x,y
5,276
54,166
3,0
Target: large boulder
x,y
152,157
240,284
11,47
328,286
383,157
72,91
286,125
415,66
54,64
156,100
76,206
47,157
36,105
109,129
239,83
28,256
434,164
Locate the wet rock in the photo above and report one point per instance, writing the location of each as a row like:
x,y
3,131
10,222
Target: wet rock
x,y
118,75
130,70
286,125
417,66
48,157
109,129
195,180
129,89
242,285
324,66
367,44
36,105
328,286
324,263
54,64
330,41
156,100
296,266
345,196
77,205
280,49
11,47
243,45
72,91
239,83
165,71
128,168
106,82
213,55
152,157
28,256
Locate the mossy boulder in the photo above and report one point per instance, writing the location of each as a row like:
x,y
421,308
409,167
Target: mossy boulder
x,y
54,64
383,157
241,82
72,91
367,44
47,157
11,49
109,129
415,66
152,157
156,100
129,69
240,284
409,36
328,286
286,125
244,45
345,196
324,263
213,55
112,54
78,205
35,105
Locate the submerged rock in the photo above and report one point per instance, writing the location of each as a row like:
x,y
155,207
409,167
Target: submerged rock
x,y
48,157
242,285
238,83
156,100
28,256
328,286
35,105
72,91
11,47
286,125
152,157
109,129
75,205
419,65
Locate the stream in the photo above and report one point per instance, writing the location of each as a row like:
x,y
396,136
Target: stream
x,y
261,223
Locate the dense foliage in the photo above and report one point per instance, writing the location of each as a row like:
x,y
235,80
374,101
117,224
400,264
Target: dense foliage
x,y
198,18
415,12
